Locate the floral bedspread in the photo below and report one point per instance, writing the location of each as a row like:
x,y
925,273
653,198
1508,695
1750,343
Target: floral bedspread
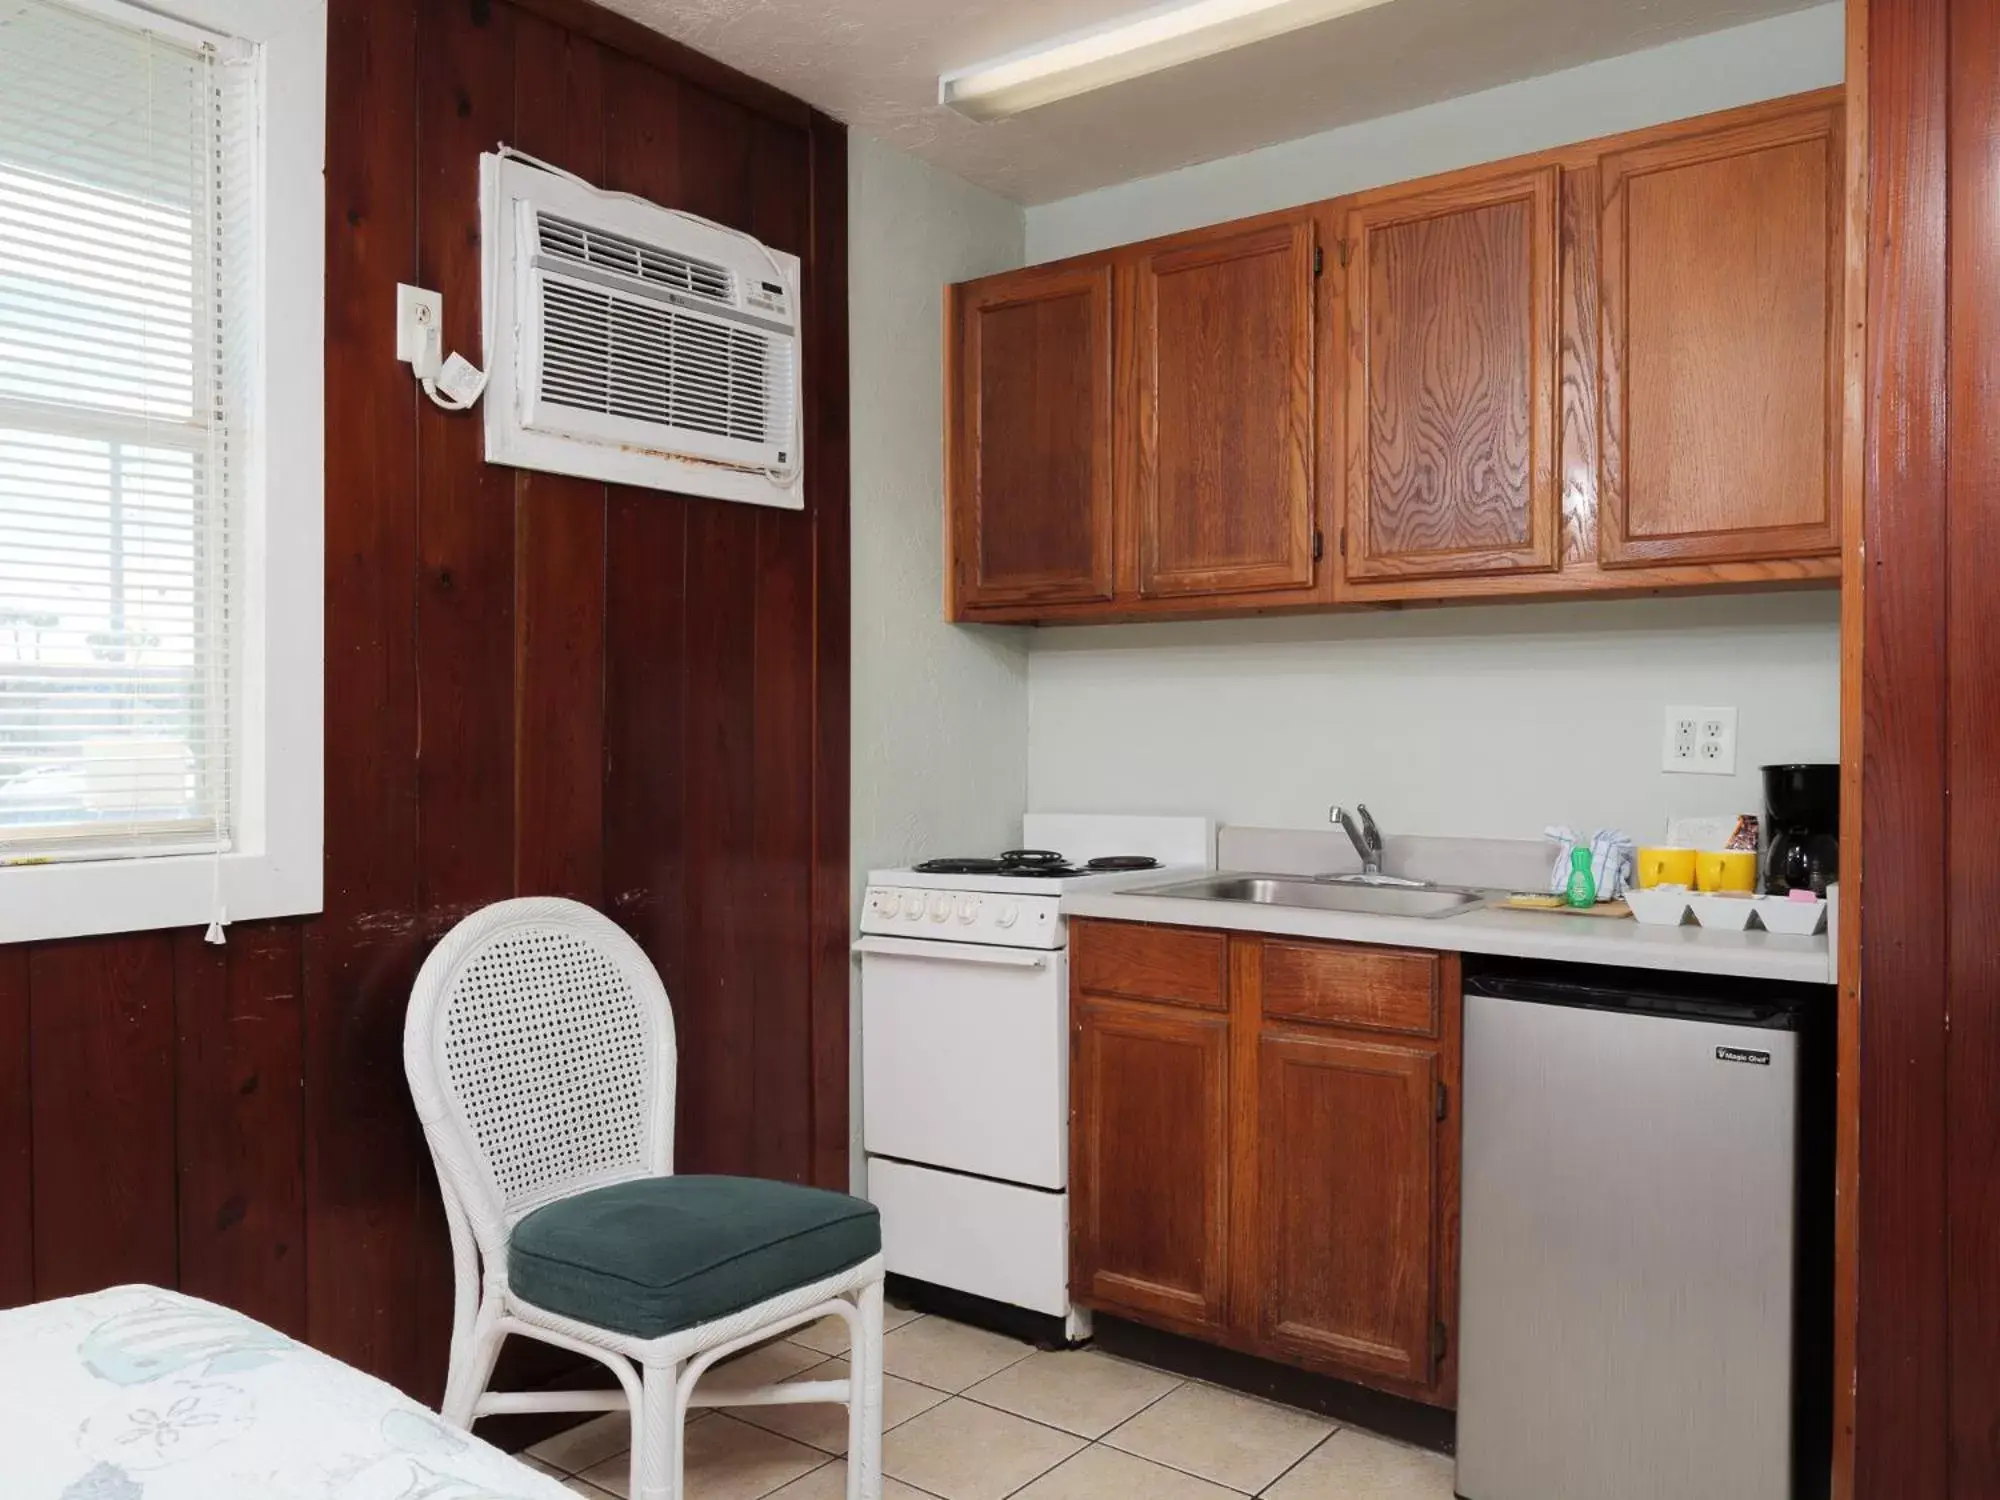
x,y
140,1394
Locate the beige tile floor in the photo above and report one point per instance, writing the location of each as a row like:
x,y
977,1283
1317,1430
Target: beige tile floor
x,y
970,1415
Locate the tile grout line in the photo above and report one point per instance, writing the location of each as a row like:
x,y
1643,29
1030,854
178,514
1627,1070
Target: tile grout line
x,y
1100,1442
1188,1380
1161,1463
826,1457
1280,1478
966,1395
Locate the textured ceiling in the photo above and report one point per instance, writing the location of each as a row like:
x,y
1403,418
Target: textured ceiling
x,y
875,63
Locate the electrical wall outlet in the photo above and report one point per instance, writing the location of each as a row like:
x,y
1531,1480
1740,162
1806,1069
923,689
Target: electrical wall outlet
x,y
420,329
1700,741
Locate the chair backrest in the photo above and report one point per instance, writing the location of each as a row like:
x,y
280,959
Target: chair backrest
x,y
540,1052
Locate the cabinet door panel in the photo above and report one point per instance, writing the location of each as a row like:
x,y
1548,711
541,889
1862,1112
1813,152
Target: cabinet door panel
x,y
1347,1187
1031,460
1222,350
1721,295
1451,382
1148,1176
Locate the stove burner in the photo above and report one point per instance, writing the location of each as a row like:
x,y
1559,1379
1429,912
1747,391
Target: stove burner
x,y
1032,858
1036,864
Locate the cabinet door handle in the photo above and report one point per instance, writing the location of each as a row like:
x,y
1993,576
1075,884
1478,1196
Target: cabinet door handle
x,y
1443,1100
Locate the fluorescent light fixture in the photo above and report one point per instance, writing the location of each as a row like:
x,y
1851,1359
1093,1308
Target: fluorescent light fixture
x,y
1132,47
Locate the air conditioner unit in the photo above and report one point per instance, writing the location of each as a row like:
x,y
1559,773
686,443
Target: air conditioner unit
x,y
636,344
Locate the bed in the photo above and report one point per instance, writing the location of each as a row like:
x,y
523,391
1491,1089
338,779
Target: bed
x,y
140,1394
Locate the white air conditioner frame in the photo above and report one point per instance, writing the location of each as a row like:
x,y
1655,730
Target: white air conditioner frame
x,y
521,433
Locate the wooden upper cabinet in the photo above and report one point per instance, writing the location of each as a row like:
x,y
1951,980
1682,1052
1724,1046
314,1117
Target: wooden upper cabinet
x,y
1451,381
1149,1144
1614,367
1347,1172
1721,261
1220,429
1029,427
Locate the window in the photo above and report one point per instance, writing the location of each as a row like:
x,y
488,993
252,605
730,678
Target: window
x,y
160,316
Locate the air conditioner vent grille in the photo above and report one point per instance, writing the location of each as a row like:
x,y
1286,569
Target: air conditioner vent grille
x,y
583,245
643,360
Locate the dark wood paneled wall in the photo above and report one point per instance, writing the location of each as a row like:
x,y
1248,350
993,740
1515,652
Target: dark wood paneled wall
x,y
535,684
1927,1211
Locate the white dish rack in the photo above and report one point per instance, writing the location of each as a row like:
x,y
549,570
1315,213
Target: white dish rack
x,y
1670,906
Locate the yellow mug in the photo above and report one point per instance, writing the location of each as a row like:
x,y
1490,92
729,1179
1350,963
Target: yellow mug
x,y
1726,870
1665,867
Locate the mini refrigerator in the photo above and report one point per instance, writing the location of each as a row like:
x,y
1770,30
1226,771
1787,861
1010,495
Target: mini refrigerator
x,y
1646,1207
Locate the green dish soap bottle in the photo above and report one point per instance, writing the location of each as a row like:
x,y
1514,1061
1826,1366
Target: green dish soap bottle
x,y
1582,884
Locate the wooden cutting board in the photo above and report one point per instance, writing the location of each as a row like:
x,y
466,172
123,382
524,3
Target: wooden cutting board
x,y
1612,909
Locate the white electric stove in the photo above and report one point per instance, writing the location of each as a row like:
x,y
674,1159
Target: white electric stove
x,y
965,1050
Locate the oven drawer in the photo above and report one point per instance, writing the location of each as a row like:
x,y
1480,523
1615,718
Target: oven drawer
x,y
988,1238
965,1058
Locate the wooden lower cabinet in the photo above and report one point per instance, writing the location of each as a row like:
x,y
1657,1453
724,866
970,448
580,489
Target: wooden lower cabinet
x,y
1248,1173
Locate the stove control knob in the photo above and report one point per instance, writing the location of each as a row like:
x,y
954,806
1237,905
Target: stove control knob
x,y
913,907
940,905
1008,915
968,909
886,902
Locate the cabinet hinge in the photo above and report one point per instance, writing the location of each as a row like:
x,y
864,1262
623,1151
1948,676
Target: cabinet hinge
x,y
1443,1101
1343,541
1438,1337
1346,250
1319,260
1319,544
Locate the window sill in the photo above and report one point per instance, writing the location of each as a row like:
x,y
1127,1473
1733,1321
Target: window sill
x,y
88,898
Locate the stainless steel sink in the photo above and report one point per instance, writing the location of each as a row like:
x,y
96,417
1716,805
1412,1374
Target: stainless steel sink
x,y
1320,895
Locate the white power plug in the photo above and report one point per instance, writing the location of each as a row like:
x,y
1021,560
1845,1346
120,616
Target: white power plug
x,y
454,383
420,330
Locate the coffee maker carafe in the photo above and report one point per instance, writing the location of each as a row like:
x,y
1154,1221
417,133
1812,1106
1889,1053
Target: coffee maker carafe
x,y
1802,812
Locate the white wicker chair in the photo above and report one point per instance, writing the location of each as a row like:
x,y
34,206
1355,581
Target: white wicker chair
x,y
540,1051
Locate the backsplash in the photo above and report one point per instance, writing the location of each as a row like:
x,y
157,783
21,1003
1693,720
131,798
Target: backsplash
x,y
1467,722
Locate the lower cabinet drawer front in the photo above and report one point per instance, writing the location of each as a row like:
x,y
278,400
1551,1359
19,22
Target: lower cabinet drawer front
x,y
1170,965
1376,989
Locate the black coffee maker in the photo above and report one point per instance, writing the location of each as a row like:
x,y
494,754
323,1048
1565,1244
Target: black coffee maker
x,y
1802,813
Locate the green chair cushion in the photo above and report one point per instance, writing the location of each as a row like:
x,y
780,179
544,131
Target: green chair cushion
x,y
665,1253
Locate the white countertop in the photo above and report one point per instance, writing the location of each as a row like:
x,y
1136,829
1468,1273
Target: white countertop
x,y
1514,934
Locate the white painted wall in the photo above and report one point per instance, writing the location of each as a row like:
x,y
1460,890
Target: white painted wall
x,y
1474,721
1471,721
940,712
1763,60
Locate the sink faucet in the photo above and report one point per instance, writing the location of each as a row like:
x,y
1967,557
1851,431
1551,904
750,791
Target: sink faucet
x,y
1365,836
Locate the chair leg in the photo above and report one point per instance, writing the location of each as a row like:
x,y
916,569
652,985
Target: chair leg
x,y
864,1399
657,1436
471,1367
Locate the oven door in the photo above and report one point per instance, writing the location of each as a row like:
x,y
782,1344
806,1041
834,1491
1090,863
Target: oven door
x,y
965,1058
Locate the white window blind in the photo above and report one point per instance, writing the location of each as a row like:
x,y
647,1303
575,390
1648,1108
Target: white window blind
x,y
126,249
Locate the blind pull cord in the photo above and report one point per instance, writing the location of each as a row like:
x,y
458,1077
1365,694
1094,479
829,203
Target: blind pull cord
x,y
219,914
